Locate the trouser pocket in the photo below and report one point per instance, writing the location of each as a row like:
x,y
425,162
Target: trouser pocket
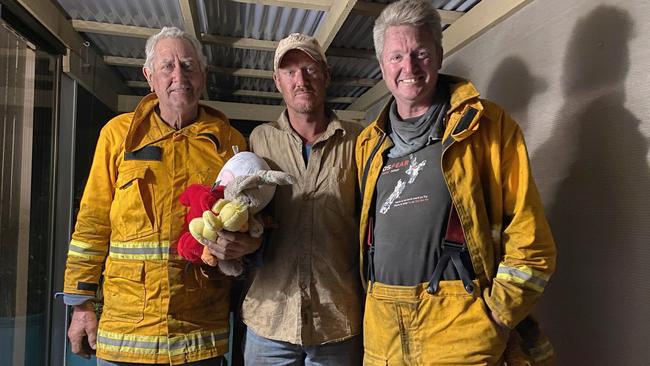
x,y
404,325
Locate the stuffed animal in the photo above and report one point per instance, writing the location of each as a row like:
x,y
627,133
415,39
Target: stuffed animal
x,y
245,185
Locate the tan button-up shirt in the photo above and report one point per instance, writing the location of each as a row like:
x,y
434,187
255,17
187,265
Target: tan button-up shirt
x,y
308,290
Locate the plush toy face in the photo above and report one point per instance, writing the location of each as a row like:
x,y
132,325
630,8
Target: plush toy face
x,y
242,164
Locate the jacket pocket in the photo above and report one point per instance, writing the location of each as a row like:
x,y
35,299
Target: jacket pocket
x,y
206,295
124,291
132,211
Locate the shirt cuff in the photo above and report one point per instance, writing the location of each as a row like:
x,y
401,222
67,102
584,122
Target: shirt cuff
x,y
73,299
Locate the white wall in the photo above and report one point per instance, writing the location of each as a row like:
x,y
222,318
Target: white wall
x,y
576,75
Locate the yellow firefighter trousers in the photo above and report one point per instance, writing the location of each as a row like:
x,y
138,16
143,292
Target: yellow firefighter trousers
x,y
405,325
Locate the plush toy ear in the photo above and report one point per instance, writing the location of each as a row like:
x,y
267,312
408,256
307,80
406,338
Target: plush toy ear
x,y
242,183
274,177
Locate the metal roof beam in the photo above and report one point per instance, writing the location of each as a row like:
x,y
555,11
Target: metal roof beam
x,y
240,111
475,22
190,17
113,29
336,16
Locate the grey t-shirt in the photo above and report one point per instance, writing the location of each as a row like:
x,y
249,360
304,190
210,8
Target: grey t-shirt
x,y
410,219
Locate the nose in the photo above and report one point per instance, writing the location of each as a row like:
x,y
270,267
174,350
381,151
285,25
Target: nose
x,y
178,73
299,77
410,64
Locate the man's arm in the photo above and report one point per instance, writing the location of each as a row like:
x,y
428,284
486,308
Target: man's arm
x,y
89,245
528,247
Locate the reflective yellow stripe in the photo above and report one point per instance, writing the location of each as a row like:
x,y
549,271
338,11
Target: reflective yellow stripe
x,y
86,250
142,250
523,275
161,345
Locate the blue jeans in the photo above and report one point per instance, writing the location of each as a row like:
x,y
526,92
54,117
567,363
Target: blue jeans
x,y
209,362
260,351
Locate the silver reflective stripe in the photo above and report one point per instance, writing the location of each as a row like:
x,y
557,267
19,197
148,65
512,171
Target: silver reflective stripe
x,y
84,251
133,344
147,250
526,277
136,344
155,250
197,342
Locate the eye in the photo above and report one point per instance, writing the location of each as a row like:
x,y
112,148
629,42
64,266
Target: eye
x,y
311,70
423,54
395,58
189,66
166,67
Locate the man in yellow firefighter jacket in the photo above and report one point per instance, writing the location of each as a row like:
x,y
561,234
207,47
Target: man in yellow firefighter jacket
x,y
157,307
432,300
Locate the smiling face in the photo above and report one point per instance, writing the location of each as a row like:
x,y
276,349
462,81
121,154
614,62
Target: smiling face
x,y
302,82
176,77
409,63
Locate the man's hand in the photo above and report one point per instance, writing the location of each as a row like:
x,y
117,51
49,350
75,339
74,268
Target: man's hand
x,y
83,328
498,321
231,245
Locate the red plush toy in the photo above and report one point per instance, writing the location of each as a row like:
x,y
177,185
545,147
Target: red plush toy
x,y
198,198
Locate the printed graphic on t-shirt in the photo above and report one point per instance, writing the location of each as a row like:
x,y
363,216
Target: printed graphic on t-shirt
x,y
410,216
414,168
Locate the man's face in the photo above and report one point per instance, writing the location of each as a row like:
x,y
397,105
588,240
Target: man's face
x,y
176,77
302,82
409,63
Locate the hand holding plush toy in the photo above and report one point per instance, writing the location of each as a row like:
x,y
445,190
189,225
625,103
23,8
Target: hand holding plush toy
x,y
245,185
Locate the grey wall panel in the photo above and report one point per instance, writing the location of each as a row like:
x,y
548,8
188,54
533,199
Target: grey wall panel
x,y
575,75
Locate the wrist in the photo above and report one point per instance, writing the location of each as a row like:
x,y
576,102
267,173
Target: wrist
x,y
85,306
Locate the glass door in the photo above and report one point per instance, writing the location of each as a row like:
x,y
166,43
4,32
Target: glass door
x,y
28,88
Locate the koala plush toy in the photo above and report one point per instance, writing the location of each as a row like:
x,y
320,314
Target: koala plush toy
x,y
244,186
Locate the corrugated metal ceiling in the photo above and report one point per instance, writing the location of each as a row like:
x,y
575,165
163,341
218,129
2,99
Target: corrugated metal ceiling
x,y
245,20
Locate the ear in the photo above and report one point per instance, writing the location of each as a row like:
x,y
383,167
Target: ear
x,y
440,51
381,67
328,76
277,81
148,74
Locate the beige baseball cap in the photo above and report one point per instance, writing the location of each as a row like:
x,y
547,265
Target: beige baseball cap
x,y
302,42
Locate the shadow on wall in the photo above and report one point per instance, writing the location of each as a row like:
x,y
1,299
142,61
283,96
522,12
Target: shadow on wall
x,y
513,87
596,306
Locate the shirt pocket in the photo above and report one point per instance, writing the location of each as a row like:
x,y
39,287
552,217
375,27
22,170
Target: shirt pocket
x,y
132,211
339,194
124,291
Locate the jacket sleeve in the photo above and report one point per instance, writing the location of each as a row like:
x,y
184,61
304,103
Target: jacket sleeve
x,y
528,248
89,244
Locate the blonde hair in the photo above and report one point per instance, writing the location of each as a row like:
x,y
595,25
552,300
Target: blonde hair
x,y
416,13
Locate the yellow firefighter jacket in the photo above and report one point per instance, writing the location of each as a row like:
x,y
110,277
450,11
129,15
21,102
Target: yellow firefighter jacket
x,y
486,168
157,307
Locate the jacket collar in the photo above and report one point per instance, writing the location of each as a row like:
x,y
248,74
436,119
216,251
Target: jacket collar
x,y
147,127
464,99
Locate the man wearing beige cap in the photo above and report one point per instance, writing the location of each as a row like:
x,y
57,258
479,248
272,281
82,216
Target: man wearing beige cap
x,y
304,304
